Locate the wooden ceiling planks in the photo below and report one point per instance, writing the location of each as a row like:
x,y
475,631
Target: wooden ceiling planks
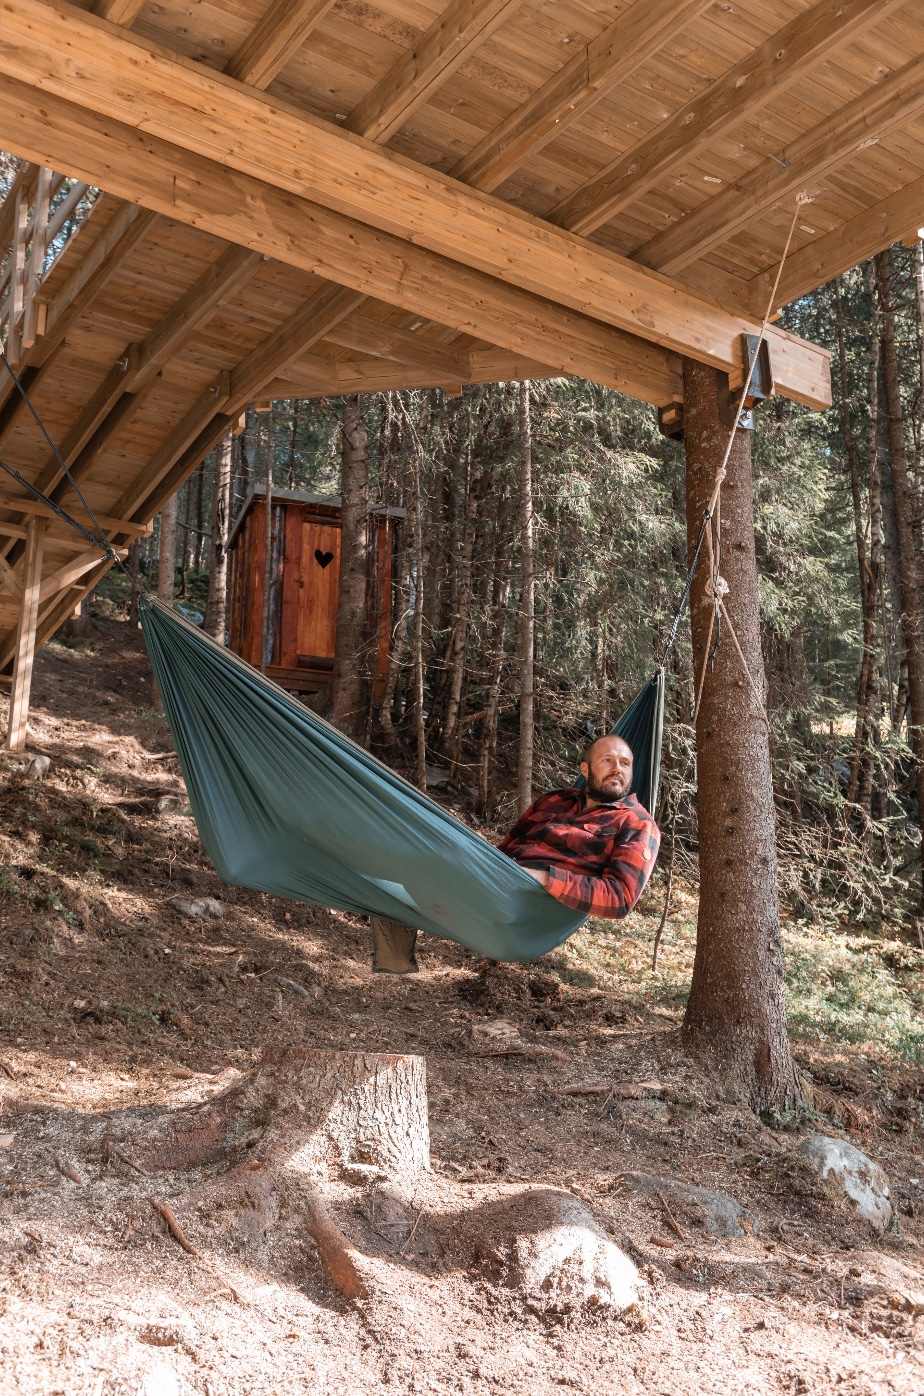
x,y
521,98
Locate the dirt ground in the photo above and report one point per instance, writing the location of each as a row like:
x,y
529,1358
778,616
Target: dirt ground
x,y
110,998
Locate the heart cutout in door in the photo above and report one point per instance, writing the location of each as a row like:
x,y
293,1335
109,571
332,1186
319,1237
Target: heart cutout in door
x,y
323,559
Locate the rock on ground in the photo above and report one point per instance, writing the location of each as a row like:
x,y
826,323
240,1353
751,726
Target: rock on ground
x,y
849,1176
719,1214
552,1250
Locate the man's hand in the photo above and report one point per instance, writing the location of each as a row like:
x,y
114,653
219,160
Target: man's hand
x,y
540,874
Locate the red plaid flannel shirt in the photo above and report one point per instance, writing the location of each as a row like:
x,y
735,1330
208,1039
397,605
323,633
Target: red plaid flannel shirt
x,y
598,860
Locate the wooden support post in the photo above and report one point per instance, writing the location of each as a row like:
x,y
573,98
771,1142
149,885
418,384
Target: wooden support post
x,y
32,312
17,276
25,635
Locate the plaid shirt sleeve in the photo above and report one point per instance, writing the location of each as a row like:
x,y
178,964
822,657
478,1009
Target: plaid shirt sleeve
x,y
601,871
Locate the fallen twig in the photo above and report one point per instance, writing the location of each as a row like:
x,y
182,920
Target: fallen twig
x,y
293,985
176,1231
120,1153
670,1218
411,1236
178,1234
68,1169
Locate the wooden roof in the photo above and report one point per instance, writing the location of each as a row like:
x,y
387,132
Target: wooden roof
x,y
309,197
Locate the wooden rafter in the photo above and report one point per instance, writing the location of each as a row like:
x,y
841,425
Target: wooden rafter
x,y
798,166
24,641
738,93
607,61
452,37
281,32
350,254
860,237
401,346
119,11
105,521
424,210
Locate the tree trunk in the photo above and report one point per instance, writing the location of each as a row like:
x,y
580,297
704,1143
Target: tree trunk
x,y
265,641
216,608
500,598
415,528
133,566
200,518
868,560
908,573
458,636
736,1014
347,688
166,571
526,629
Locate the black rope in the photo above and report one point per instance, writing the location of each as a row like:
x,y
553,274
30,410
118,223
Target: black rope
x,y
685,594
101,542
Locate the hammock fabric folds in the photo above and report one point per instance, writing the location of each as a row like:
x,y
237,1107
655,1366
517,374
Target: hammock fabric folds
x,y
285,804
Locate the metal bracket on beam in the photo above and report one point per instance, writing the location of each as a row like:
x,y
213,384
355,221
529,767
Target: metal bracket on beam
x,y
760,387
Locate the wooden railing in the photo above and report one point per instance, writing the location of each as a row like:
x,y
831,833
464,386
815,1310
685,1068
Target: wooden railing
x,y
33,216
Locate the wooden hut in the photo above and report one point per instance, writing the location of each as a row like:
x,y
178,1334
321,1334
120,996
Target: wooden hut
x,y
304,586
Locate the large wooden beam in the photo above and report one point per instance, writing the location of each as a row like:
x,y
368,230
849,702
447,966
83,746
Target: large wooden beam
x,y
111,75
280,33
325,243
452,37
798,167
744,89
71,572
313,376
24,652
119,11
860,237
25,505
608,60
401,346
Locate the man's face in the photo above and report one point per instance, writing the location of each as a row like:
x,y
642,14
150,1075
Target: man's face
x,y
609,771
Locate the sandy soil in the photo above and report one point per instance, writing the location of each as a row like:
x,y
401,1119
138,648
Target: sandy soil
x,y
110,998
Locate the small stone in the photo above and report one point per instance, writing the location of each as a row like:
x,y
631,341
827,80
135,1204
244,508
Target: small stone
x,y
849,1176
7,1139
496,1035
719,1214
160,1381
173,804
198,906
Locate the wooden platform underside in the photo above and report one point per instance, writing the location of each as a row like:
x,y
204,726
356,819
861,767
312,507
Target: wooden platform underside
x,y
305,198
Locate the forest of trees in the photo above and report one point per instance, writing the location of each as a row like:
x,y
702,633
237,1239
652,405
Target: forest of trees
x,y
543,552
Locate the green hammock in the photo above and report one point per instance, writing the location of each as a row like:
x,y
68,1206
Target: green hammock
x,y
286,804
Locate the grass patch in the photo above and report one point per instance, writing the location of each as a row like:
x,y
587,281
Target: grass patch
x,y
841,987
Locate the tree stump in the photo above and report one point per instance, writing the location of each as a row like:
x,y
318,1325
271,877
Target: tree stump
x,y
271,1143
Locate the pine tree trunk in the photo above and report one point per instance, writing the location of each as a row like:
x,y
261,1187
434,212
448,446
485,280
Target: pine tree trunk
x,y
500,598
415,526
133,565
200,517
265,641
458,636
347,688
908,567
736,1014
216,608
166,571
526,630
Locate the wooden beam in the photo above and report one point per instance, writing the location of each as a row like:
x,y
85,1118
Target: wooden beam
x,y
10,580
403,346
121,391
608,60
24,505
430,61
853,242
66,576
313,376
798,167
24,654
761,76
119,11
62,535
67,54
280,33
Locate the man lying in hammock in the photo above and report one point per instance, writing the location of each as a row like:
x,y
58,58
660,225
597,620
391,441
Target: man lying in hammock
x,y
592,849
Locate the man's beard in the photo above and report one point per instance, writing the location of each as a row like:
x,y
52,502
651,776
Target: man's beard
x,y
608,793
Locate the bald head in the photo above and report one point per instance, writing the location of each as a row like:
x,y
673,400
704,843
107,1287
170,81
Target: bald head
x,y
607,769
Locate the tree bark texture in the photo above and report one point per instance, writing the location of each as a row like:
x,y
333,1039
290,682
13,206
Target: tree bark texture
x,y
526,627
265,643
458,635
166,570
216,607
736,1012
348,704
908,567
